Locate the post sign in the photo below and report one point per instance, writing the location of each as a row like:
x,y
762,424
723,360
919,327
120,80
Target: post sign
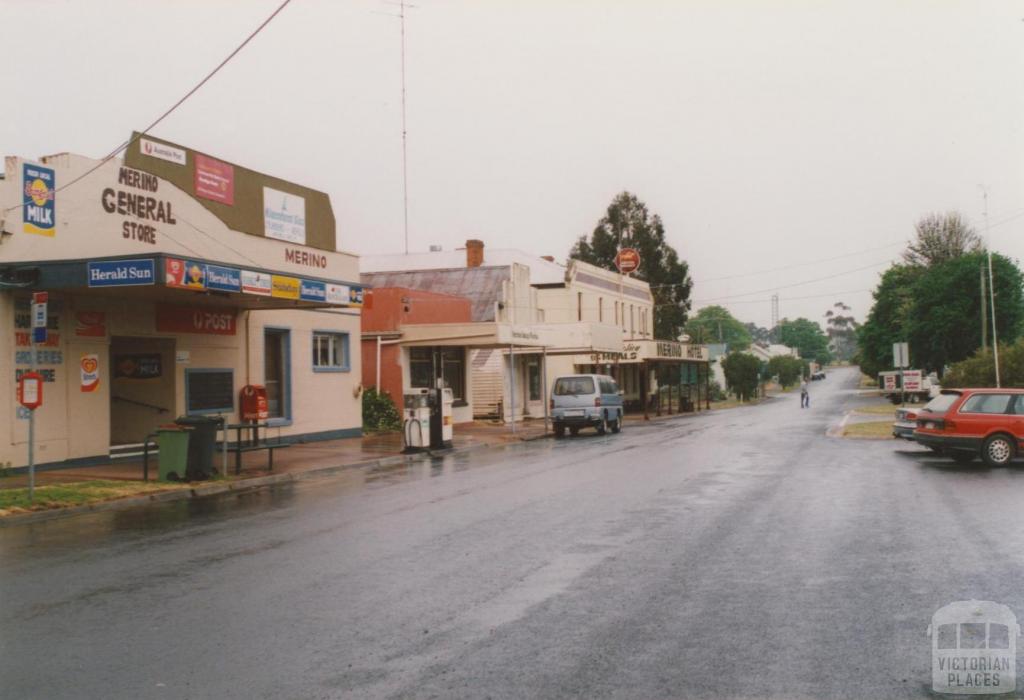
x,y
627,260
900,355
30,390
39,316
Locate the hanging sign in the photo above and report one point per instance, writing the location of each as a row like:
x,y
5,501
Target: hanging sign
x,y
256,283
284,287
627,260
38,209
185,274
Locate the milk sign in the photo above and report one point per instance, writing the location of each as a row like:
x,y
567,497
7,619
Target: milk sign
x,y
39,214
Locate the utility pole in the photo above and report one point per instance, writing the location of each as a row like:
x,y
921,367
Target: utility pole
x,y
405,162
984,310
991,288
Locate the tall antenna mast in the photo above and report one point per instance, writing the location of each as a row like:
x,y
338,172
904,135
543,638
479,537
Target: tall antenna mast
x,y
405,162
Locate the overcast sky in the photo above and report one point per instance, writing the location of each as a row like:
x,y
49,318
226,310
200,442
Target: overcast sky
x,y
766,134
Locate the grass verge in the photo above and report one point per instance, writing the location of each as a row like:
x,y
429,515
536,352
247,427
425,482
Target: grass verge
x,y
874,430
76,494
880,409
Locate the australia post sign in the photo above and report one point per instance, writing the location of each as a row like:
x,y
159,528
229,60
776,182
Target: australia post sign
x,y
195,319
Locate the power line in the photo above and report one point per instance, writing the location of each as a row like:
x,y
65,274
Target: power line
x,y
796,265
200,84
795,284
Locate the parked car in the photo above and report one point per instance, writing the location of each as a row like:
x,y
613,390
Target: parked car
x,y
586,400
906,424
967,423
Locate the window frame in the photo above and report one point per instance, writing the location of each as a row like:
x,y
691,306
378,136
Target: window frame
x,y
334,335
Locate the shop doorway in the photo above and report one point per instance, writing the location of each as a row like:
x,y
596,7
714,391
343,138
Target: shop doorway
x,y
142,393
276,372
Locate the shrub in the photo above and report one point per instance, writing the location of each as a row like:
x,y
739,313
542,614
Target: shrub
x,y
379,412
741,374
979,369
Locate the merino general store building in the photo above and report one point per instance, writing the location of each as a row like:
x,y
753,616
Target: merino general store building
x,y
174,280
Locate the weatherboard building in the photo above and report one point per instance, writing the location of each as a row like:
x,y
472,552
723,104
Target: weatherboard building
x,y
174,280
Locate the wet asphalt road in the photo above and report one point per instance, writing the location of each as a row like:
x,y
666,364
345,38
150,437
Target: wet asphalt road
x,y
738,554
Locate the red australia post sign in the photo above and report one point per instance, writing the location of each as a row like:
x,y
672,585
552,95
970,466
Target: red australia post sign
x,y
194,319
214,180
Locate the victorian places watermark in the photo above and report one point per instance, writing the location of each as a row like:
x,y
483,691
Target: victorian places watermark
x,y
974,648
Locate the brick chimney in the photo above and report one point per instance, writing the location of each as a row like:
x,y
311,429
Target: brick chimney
x,y
474,253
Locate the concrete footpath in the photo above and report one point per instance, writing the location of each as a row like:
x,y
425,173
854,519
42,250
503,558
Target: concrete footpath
x,y
298,462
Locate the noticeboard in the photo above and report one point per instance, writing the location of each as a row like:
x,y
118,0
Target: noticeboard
x,y
209,390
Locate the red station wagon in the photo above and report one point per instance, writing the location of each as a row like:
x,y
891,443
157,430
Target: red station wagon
x,y
968,423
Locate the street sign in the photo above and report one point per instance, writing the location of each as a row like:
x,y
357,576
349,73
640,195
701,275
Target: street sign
x,y
30,390
627,260
900,355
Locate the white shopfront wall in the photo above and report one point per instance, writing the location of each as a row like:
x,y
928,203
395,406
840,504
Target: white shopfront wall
x,y
172,310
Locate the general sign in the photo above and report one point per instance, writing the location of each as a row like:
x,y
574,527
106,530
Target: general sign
x,y
627,260
38,210
121,273
189,319
30,390
284,216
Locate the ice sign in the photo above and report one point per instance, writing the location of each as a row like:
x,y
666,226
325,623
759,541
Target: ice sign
x,y
974,648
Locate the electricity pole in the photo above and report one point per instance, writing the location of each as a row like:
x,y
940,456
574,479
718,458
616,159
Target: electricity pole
x,y
991,288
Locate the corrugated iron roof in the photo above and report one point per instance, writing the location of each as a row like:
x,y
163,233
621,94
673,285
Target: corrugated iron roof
x,y
481,285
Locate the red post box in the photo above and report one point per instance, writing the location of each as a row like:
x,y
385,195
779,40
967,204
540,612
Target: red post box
x,y
254,402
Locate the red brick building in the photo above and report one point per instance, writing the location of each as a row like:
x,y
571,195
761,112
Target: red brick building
x,y
386,310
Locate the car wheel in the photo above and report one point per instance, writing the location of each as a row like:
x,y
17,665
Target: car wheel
x,y
602,427
559,430
617,425
998,451
936,450
574,431
962,456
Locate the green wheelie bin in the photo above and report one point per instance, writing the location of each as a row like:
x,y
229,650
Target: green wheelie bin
x,y
172,442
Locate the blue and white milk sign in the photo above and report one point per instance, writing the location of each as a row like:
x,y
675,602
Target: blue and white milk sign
x,y
38,211
974,648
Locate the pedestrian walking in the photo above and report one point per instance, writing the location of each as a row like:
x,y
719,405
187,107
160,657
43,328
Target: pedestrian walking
x,y
805,398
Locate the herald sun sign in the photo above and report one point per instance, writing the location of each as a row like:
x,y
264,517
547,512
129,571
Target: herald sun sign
x,y
30,390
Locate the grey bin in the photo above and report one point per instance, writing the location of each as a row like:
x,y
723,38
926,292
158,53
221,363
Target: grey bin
x,y
201,444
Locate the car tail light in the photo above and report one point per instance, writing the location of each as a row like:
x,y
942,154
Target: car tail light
x,y
597,401
911,416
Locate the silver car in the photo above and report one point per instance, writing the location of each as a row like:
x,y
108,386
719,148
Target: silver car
x,y
586,400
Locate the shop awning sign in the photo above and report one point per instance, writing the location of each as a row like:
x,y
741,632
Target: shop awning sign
x,y
121,273
284,287
224,279
310,290
256,283
337,294
185,274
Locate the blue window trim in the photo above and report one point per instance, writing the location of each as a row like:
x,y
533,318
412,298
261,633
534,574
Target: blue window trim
x,y
209,411
347,366
286,360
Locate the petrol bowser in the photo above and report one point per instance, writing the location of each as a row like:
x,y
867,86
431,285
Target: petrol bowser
x,y
441,401
254,403
416,424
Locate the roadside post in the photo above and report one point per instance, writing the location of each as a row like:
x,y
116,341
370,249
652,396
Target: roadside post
x,y
901,360
30,386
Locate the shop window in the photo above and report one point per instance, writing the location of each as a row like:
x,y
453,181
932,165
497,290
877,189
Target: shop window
x,y
421,368
277,372
330,352
209,391
533,379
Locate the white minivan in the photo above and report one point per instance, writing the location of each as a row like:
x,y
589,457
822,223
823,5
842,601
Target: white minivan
x,y
586,400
